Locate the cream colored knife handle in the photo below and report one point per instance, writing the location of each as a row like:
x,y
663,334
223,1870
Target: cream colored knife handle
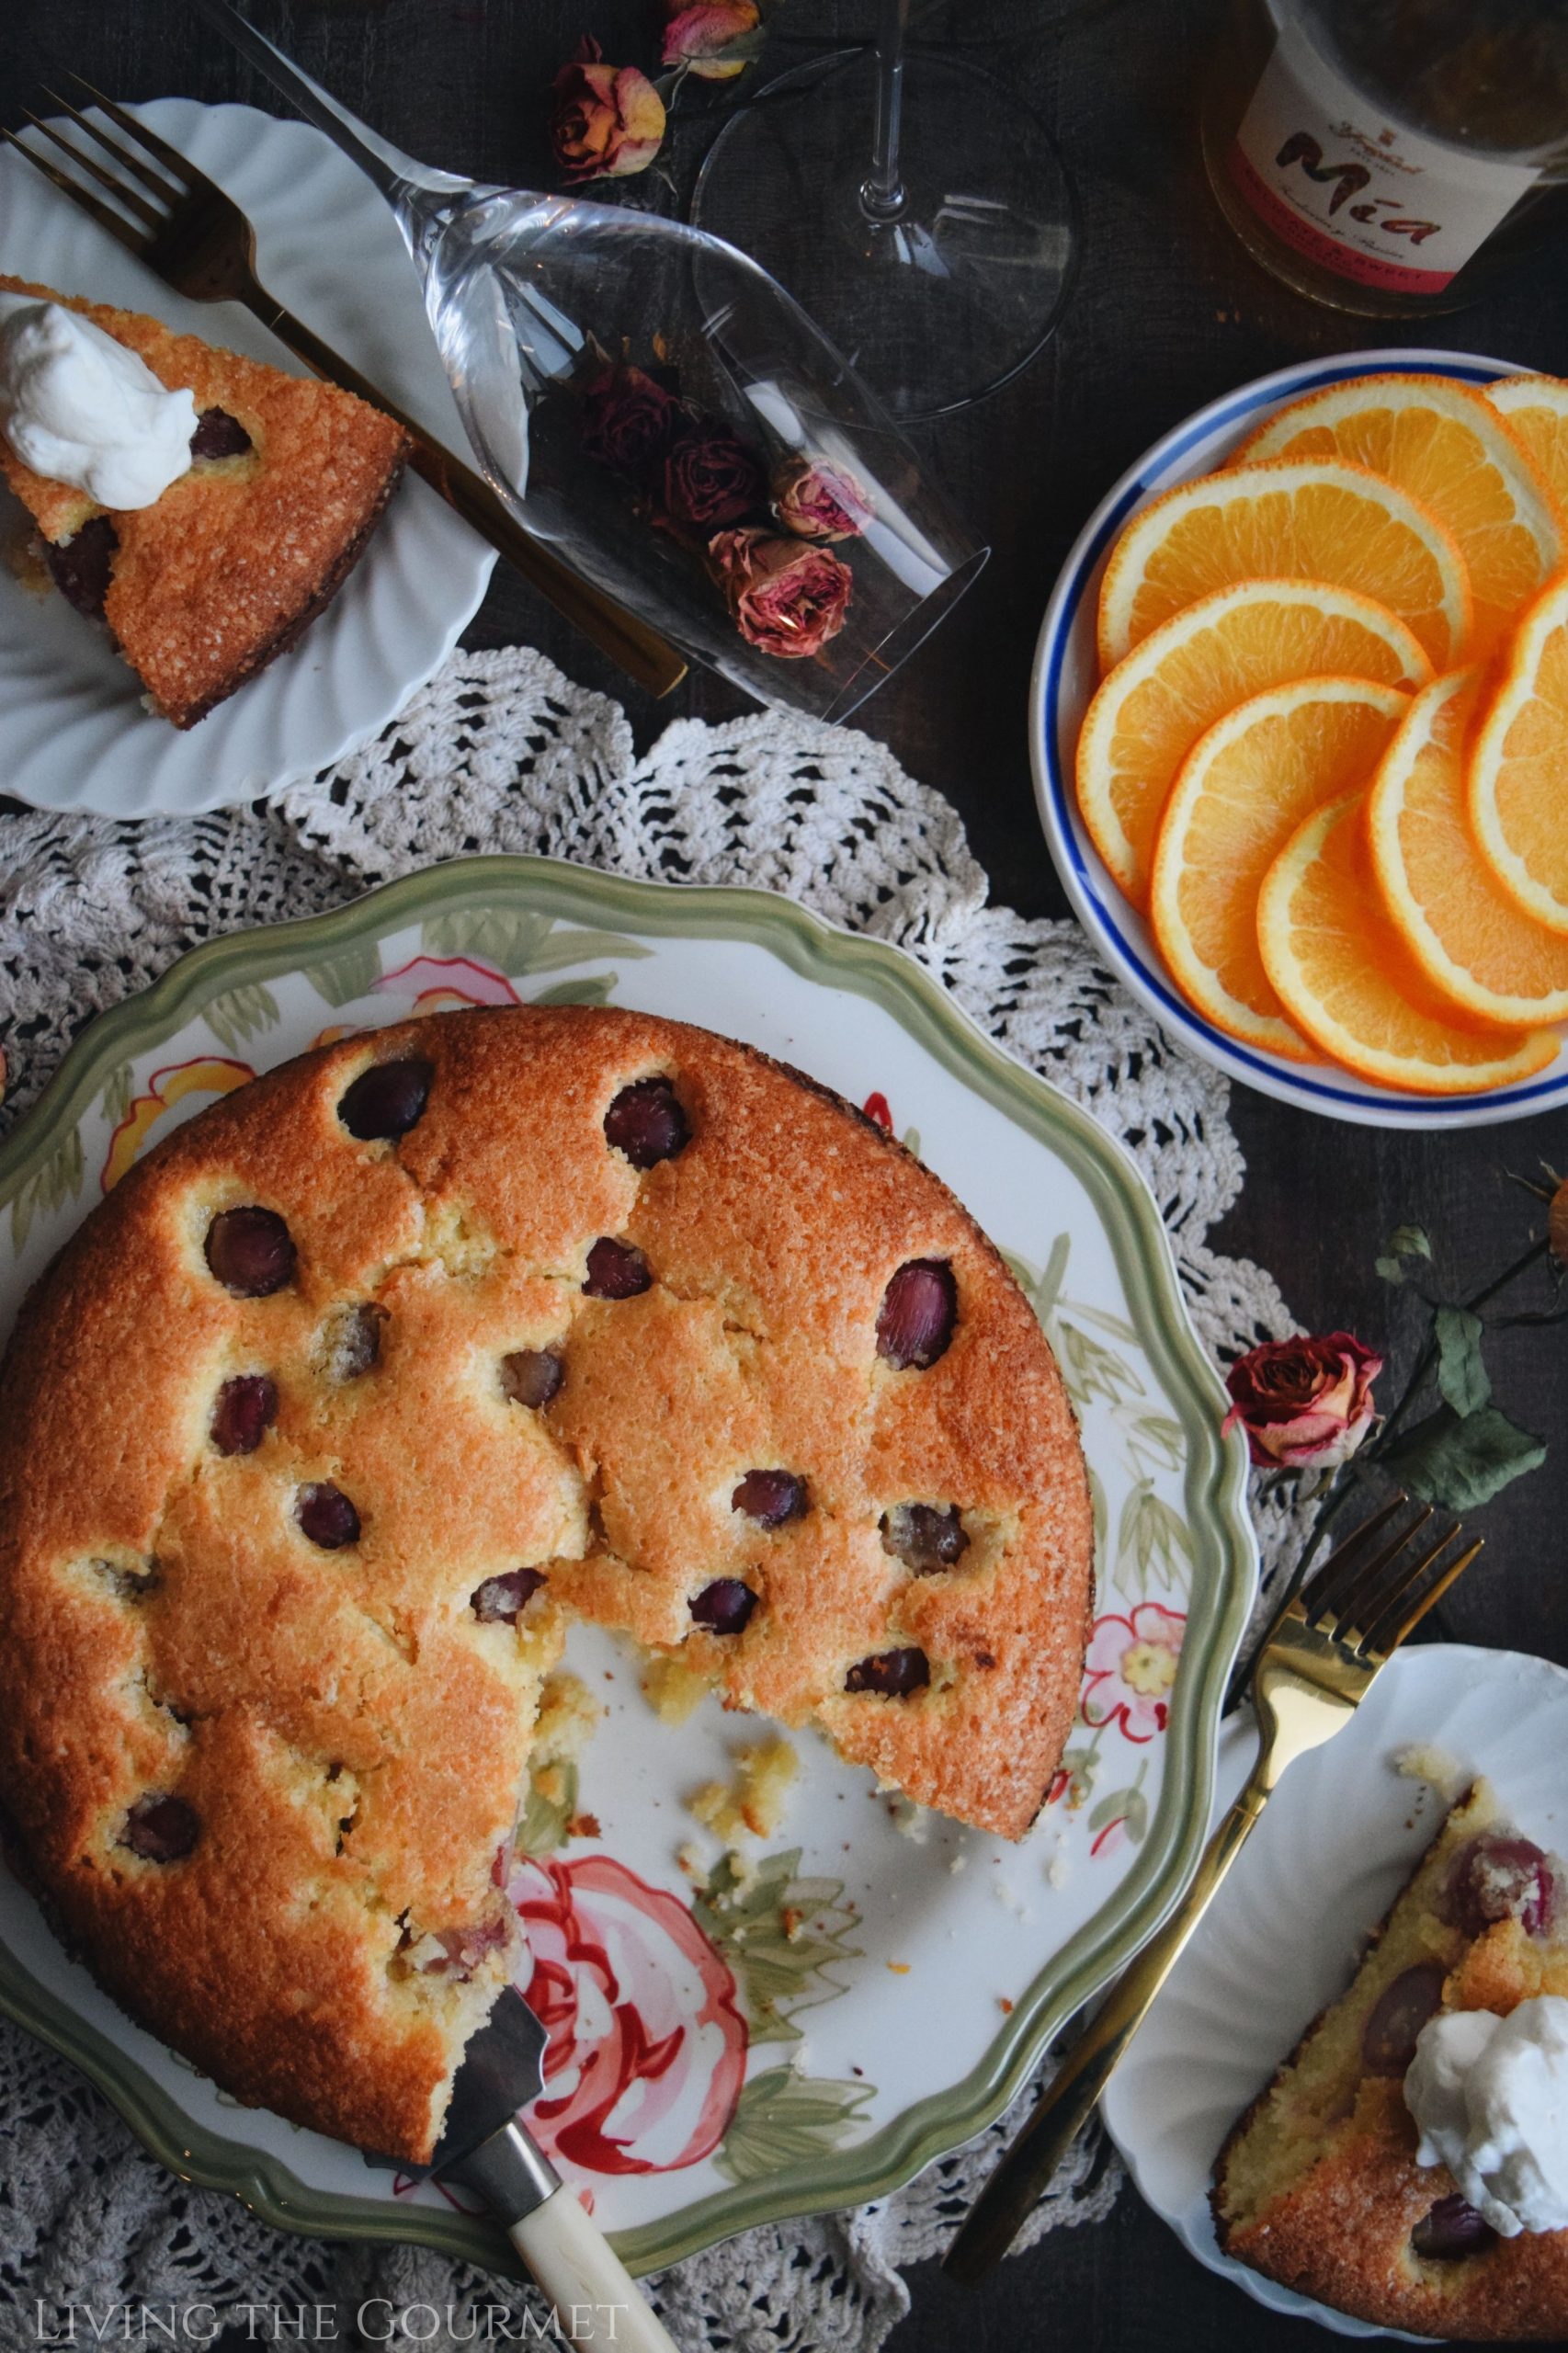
x,y
596,2299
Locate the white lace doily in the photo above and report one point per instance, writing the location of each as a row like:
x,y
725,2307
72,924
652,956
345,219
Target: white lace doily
x,y
501,752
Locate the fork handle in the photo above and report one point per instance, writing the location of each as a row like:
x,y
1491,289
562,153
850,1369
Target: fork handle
x,y
1023,2174
639,649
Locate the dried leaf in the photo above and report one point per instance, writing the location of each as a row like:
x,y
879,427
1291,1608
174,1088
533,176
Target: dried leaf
x,y
1460,1461
1405,1242
1461,1376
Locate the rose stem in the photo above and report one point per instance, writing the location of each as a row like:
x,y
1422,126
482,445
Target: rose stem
x,y
881,191
1347,1477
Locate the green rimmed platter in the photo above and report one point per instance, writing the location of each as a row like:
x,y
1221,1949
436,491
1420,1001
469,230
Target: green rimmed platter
x,y
880,1984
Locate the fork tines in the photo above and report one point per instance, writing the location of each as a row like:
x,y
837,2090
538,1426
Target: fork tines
x,y
1370,1597
139,221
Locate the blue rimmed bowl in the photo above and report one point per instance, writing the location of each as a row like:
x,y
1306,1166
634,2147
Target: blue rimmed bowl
x,y
1066,674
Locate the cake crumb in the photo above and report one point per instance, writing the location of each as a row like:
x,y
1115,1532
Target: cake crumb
x,y
912,1821
689,1858
755,1806
568,1716
672,1688
1422,1760
1005,2005
1008,1896
899,1968
742,1871
959,1862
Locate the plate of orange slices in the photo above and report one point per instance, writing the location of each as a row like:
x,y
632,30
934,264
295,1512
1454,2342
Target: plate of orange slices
x,y
1300,735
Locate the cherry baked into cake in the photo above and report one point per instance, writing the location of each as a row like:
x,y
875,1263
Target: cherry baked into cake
x,y
1409,2162
284,479
371,1379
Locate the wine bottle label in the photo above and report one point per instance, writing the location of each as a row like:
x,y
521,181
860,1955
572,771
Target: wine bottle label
x,y
1365,197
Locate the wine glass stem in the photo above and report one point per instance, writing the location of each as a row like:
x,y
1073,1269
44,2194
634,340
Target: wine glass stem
x,y
881,191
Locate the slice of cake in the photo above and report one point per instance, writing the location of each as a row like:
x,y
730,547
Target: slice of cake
x,y
370,1381
225,567
1320,2186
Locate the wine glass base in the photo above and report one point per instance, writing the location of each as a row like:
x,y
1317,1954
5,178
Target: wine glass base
x,y
944,303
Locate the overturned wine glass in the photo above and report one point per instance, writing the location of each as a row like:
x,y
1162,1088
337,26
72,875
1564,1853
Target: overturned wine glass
x,y
657,408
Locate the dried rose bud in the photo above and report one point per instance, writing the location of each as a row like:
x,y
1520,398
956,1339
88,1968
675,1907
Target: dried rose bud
x,y
627,421
710,37
1303,1403
605,122
817,500
785,599
711,477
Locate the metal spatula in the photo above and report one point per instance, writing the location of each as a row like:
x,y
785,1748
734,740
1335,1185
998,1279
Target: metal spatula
x,y
487,2145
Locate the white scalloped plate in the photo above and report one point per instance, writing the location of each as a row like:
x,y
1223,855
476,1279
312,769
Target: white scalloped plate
x,y
76,732
1335,1843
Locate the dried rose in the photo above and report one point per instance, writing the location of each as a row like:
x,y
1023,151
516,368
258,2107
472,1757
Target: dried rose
x,y
627,420
711,477
1304,1401
700,35
817,500
786,598
605,122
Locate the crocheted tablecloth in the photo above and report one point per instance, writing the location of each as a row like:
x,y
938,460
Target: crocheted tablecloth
x,y
501,752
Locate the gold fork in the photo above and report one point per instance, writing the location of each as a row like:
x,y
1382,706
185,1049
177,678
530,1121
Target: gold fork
x,y
1318,1662
198,241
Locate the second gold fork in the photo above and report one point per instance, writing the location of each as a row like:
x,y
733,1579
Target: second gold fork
x,y
1319,1661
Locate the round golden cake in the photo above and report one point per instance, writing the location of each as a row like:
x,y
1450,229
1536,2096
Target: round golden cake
x,y
365,1382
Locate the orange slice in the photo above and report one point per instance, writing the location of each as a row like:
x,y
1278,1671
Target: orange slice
x,y
1447,447
1307,519
1472,940
1518,779
1188,672
1241,794
1319,926
1535,410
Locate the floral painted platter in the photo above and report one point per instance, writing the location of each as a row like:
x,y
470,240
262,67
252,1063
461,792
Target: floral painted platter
x,y
876,1985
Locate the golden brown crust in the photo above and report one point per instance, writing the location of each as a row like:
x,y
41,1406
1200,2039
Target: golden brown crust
x,y
224,571
1340,2229
351,1737
1342,2235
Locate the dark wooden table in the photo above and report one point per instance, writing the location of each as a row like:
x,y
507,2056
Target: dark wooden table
x,y
1167,313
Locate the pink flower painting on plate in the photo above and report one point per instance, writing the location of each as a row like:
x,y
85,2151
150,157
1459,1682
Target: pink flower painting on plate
x,y
438,984
1130,1668
647,2045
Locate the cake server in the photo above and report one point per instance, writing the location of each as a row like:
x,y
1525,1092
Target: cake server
x,y
486,2145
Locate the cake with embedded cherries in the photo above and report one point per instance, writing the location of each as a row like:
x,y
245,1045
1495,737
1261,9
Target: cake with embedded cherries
x,y
369,1380
1319,2187
224,571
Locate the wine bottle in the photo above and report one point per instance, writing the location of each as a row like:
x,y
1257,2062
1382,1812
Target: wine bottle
x,y
1387,156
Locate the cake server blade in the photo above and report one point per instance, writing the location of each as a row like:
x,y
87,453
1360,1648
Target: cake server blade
x,y
486,2145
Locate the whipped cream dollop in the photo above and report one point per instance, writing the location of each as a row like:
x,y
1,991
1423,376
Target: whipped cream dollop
x,y
80,408
1490,2101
